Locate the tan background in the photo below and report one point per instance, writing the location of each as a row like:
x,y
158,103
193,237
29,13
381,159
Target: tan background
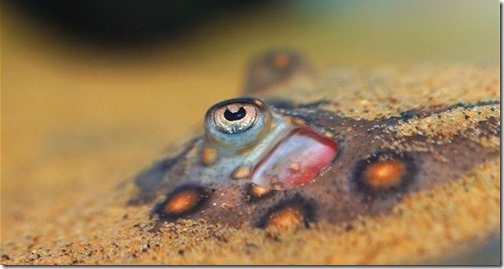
x,y
77,118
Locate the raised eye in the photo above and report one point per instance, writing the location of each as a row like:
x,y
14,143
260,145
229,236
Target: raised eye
x,y
235,117
237,122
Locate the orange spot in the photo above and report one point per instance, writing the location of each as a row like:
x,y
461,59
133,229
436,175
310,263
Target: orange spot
x,y
285,218
328,134
384,173
241,172
259,191
208,155
299,121
182,201
281,60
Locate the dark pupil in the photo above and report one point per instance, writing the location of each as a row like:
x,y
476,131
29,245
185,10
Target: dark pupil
x,y
232,116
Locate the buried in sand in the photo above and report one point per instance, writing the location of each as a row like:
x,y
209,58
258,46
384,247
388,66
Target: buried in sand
x,y
305,169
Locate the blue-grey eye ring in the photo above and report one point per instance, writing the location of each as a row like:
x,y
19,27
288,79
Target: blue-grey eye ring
x,y
237,121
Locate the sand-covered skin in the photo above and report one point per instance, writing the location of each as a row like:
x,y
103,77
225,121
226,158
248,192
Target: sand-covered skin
x,y
388,90
417,231
79,121
84,224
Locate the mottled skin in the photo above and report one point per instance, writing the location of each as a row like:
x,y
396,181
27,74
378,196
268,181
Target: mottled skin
x,y
335,195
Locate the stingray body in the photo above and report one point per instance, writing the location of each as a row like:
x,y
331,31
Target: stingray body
x,y
275,160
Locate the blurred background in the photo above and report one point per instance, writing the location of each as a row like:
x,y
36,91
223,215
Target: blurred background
x,y
93,91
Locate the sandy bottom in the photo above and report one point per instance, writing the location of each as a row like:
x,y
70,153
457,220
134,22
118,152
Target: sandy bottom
x,y
65,184
97,228
75,129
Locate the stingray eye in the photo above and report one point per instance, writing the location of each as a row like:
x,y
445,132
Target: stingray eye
x,y
235,117
237,122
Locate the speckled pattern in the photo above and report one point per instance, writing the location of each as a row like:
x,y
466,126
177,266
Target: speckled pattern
x,y
425,146
418,230
445,219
